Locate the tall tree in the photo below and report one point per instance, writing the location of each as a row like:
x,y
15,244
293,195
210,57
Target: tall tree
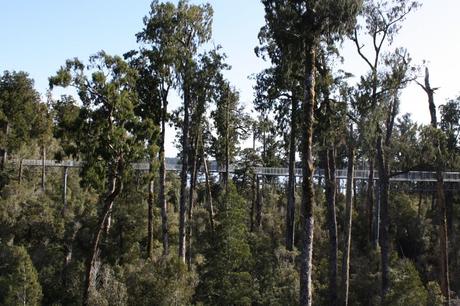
x,y
440,196
153,87
382,22
206,77
395,80
230,122
19,284
345,285
110,136
42,131
279,88
307,22
191,28
226,274
177,32
159,48
331,124
19,102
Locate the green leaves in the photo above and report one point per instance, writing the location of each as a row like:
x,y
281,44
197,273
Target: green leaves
x,y
104,130
225,278
18,278
177,32
20,111
165,281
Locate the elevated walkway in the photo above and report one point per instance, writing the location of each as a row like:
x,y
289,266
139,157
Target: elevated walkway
x,y
173,164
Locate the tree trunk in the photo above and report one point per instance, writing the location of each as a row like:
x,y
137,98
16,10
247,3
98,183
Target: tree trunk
x,y
162,178
444,259
227,151
91,260
355,193
183,175
440,197
258,222
253,202
430,93
108,222
208,193
307,218
20,171
290,212
329,171
377,216
450,213
420,201
5,149
383,195
65,173
191,199
150,205
385,218
348,223
370,204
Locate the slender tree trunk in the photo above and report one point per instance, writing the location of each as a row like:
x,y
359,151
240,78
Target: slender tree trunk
x,y
377,216
258,218
108,222
253,203
370,203
355,192
227,151
420,199
208,193
290,212
253,185
191,198
384,188
150,204
329,169
20,171
348,222
449,210
385,218
65,173
162,178
183,175
91,260
443,233
430,93
307,218
440,197
4,151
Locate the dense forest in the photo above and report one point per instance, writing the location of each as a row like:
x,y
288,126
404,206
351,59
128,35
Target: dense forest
x,y
103,231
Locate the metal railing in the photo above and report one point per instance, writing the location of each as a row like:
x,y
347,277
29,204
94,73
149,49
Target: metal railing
x,y
173,164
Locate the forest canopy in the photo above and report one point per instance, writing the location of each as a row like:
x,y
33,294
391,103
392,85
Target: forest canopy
x,y
326,194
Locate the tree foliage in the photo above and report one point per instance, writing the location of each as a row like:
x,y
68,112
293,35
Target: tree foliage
x,y
244,237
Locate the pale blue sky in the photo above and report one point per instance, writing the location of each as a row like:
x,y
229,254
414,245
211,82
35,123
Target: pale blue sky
x,y
38,36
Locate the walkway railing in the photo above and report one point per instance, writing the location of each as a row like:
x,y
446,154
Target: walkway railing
x,y
173,164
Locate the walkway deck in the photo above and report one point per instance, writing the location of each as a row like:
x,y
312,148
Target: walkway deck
x,y
173,164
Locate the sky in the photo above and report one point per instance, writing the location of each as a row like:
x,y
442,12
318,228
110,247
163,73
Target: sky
x,y
38,36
